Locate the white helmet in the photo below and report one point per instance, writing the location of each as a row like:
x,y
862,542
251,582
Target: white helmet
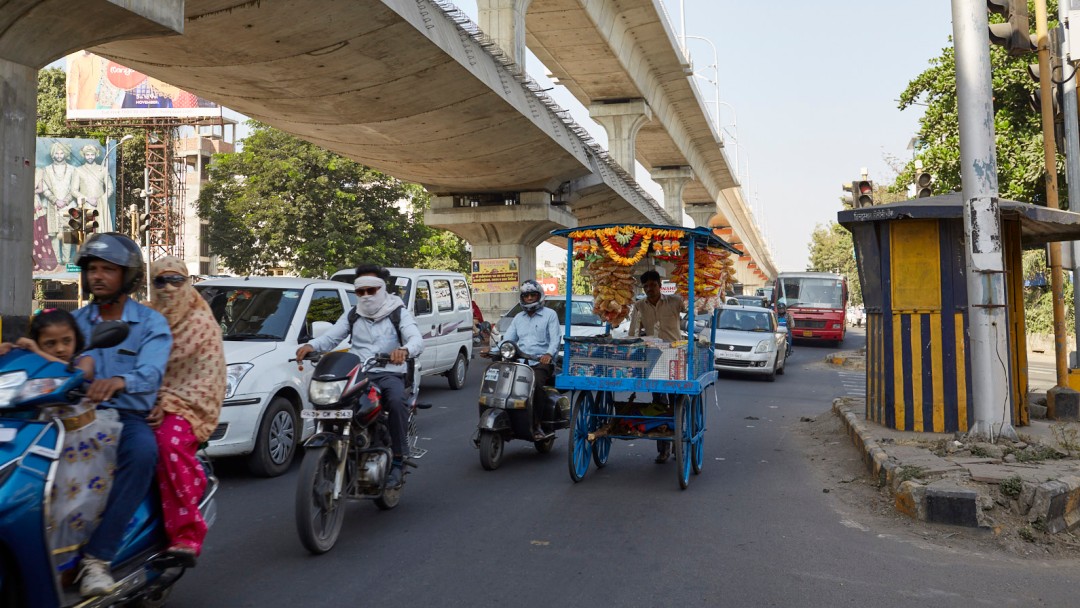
x,y
531,286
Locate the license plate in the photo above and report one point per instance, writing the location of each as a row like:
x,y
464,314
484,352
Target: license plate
x,y
491,374
324,414
808,334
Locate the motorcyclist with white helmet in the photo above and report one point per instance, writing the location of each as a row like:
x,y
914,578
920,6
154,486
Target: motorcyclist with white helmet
x,y
535,330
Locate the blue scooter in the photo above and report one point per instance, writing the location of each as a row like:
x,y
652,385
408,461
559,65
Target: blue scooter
x,y
30,448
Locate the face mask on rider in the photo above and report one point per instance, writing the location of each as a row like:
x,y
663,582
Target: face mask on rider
x,y
370,305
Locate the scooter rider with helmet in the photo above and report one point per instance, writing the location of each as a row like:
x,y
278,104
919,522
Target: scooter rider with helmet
x,y
535,330
127,379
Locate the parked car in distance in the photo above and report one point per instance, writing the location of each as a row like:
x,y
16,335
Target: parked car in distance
x,y
583,321
263,321
745,300
749,341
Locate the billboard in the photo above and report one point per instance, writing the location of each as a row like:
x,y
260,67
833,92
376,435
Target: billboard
x,y
495,275
98,88
72,177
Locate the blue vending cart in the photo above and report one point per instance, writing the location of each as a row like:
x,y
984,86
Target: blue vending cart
x,y
595,369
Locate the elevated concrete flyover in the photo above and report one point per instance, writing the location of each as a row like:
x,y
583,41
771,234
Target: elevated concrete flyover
x,y
620,59
410,87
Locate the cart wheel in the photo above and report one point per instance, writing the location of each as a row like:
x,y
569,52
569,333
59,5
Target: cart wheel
x,y
579,435
601,448
683,429
698,430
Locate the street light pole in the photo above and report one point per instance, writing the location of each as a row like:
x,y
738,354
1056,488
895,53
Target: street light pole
x,y
105,177
716,73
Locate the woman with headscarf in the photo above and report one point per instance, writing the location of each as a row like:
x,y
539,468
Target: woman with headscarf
x,y
188,403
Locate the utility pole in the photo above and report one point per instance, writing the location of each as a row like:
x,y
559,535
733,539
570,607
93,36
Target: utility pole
x,y
1072,143
1061,396
987,329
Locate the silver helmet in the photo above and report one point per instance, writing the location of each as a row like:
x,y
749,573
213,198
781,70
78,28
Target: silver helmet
x,y
527,287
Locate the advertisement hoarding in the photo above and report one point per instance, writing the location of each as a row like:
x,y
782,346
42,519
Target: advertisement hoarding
x,y
495,275
98,88
73,178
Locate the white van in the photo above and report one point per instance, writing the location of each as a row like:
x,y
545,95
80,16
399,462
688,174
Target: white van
x,y
442,304
264,320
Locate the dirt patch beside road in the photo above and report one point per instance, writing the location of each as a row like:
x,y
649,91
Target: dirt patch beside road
x,y
840,471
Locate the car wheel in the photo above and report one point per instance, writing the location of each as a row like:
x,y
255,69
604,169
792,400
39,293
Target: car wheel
x,y
771,377
277,440
457,374
783,364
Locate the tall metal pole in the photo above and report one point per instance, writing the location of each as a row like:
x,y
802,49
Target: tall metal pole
x,y
1072,146
1046,90
987,330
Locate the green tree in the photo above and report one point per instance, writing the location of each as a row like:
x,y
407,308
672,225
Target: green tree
x,y
832,250
284,201
1017,127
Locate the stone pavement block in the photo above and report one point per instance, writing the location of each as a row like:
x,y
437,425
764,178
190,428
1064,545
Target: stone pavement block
x,y
911,499
948,503
931,464
1057,504
996,473
1063,403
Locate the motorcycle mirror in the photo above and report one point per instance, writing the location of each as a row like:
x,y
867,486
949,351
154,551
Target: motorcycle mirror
x,y
108,334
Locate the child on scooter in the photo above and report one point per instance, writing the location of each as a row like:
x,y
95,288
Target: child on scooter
x,y
83,474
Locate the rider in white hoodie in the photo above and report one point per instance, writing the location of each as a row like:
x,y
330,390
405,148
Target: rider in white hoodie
x,y
373,332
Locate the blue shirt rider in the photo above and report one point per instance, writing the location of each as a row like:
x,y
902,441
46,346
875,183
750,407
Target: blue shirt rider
x,y
535,330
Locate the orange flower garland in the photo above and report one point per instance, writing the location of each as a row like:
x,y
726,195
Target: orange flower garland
x,y
665,242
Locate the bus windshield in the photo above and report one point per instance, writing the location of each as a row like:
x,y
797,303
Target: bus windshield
x,y
808,292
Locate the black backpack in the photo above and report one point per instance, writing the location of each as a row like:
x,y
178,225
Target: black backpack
x,y
395,318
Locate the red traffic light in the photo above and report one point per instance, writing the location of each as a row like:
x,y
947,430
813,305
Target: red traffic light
x,y
75,213
864,193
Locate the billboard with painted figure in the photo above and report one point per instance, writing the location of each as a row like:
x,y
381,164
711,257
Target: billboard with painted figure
x,y
74,182
98,88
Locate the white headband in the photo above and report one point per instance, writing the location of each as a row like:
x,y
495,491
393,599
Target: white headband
x,y
369,281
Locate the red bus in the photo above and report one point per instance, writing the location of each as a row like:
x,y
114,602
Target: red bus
x,y
817,302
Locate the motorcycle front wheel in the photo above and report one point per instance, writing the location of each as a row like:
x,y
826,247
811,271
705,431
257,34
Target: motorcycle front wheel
x,y
318,515
491,450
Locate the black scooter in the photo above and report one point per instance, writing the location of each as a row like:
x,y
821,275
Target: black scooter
x,y
506,406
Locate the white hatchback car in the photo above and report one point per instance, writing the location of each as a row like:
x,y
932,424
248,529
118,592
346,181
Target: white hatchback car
x,y
583,321
749,340
263,321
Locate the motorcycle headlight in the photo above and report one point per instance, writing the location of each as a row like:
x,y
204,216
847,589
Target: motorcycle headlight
x,y
38,387
765,346
10,384
325,393
233,375
508,350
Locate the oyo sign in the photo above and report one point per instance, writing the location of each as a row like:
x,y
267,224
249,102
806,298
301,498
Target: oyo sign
x,y
551,286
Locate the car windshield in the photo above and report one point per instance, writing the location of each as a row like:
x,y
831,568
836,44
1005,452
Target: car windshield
x,y
581,312
745,320
251,313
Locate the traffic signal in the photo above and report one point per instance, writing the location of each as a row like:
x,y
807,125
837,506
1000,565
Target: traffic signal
x,y
90,220
143,225
1015,33
848,199
864,193
75,221
923,181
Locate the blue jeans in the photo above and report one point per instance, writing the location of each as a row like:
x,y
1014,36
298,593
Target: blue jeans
x,y
393,399
136,459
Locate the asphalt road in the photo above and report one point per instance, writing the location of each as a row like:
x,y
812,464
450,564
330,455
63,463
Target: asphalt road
x,y
754,529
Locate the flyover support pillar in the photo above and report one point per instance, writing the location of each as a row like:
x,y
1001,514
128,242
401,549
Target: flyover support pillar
x,y
673,180
18,124
700,213
622,120
500,232
504,22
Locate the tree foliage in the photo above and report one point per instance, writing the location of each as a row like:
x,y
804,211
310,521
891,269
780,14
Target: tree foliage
x,y
1017,126
832,250
282,201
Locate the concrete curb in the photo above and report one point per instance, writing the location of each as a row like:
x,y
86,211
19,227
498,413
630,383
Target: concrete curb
x,y
954,497
847,360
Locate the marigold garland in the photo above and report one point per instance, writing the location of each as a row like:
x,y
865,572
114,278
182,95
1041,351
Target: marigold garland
x,y
664,241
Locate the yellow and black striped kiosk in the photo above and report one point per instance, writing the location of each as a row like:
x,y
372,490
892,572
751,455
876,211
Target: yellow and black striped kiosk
x,y
912,271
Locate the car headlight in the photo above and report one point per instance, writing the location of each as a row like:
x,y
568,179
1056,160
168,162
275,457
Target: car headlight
x,y
234,373
765,346
10,384
325,393
836,326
